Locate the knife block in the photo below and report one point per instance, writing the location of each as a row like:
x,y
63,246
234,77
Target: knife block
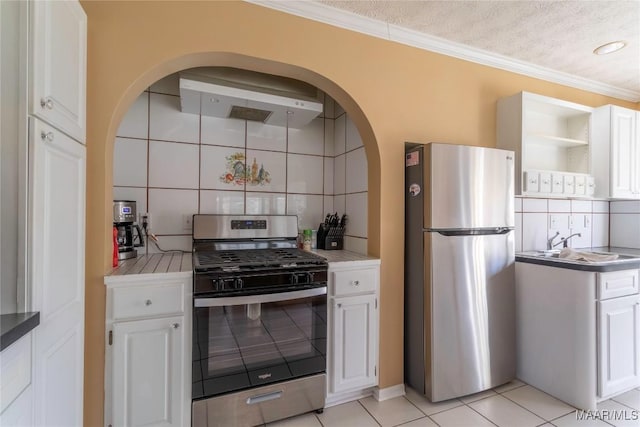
x,y
330,238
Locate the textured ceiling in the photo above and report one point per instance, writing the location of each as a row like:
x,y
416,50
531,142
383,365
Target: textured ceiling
x,y
559,35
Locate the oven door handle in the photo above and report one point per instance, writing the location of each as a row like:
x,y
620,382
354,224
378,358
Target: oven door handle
x,y
257,299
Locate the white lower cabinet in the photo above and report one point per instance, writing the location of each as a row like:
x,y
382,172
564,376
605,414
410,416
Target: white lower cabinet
x,y
20,412
354,342
16,392
147,372
352,348
588,324
148,363
619,345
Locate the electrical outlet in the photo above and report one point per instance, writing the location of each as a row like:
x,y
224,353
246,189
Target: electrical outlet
x,y
146,218
187,221
558,221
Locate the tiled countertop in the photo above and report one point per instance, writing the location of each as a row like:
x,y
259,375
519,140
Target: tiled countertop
x,y
345,256
145,266
174,262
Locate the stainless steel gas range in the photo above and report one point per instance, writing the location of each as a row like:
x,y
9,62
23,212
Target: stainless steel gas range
x,y
259,321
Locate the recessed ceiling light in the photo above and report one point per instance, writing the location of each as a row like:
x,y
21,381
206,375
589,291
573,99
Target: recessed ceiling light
x,y
609,47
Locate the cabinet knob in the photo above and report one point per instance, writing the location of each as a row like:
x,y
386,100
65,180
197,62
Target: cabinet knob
x,y
175,325
46,103
356,283
47,136
339,305
148,302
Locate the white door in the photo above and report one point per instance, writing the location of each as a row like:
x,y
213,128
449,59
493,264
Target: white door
x,y
56,265
58,65
623,153
354,343
147,372
619,346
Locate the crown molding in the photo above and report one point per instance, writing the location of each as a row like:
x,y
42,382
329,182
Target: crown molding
x,y
373,27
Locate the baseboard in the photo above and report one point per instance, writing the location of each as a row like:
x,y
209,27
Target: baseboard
x,y
338,399
387,393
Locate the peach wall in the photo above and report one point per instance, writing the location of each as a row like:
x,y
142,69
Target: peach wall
x,y
394,93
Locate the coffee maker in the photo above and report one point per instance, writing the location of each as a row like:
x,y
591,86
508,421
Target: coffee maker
x,y
129,235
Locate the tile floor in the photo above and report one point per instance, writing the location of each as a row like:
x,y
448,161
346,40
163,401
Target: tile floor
x,y
512,405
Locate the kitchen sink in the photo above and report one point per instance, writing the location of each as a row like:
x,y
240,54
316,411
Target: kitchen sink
x,y
553,259
556,254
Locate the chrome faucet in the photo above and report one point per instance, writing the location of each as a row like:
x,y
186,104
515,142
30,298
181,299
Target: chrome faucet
x,y
564,240
550,241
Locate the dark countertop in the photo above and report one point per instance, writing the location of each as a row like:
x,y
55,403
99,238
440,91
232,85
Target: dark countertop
x,y
16,325
586,266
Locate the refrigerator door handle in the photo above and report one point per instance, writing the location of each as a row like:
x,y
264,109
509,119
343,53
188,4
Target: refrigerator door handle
x,y
470,232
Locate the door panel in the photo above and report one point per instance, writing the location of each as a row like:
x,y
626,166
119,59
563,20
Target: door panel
x,y
146,372
619,346
623,143
354,343
471,187
56,265
472,288
58,73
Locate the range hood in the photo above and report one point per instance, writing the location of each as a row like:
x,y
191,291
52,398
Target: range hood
x,y
232,93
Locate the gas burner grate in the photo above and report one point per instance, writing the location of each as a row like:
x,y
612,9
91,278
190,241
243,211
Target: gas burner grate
x,y
255,257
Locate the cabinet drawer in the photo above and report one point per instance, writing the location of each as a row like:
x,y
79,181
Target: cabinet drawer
x,y
557,183
353,282
617,284
545,182
531,182
145,301
569,184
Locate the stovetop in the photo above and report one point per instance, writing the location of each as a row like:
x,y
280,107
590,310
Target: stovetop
x,y
247,258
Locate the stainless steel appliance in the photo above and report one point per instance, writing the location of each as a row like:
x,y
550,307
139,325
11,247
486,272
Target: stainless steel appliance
x,y
259,321
129,236
459,269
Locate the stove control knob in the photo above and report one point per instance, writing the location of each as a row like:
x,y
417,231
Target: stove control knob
x,y
294,279
310,277
239,283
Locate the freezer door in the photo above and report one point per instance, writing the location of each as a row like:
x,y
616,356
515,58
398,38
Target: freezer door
x,y
470,187
472,287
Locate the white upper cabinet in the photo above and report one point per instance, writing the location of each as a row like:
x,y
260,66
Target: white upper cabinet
x,y
617,152
58,58
551,139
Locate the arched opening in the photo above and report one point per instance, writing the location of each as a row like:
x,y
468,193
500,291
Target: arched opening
x,y
365,236
174,164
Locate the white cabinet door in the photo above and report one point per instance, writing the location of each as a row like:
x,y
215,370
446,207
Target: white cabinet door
x,y
147,372
619,346
56,265
624,152
58,65
20,412
355,334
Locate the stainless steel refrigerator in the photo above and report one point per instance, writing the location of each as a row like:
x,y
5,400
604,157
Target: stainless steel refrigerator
x,y
459,269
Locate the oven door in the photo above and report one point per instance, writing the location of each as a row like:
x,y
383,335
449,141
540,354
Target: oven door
x,y
245,342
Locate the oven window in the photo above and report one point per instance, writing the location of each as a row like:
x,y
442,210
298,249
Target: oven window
x,y
242,346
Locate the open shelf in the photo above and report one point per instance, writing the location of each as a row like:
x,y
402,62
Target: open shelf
x,y
556,141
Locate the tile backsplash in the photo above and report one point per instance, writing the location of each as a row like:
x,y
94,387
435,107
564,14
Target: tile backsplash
x,y
539,219
625,223
176,164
